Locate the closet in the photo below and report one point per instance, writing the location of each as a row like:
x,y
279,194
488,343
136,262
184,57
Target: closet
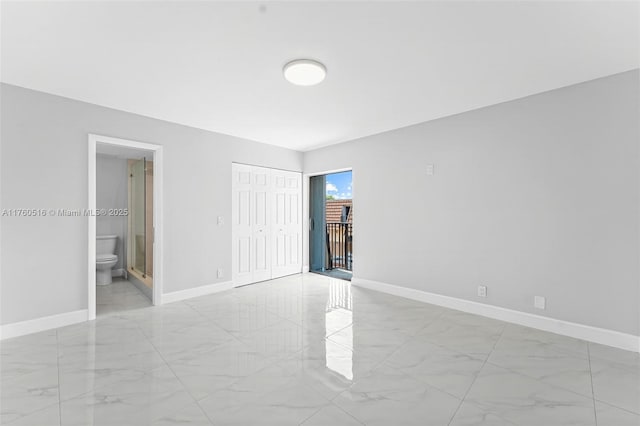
x,y
266,223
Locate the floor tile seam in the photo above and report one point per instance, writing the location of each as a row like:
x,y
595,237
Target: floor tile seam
x,y
252,332
347,413
621,365
593,396
556,353
97,388
283,320
259,395
48,406
612,404
378,362
330,404
558,387
178,329
256,330
149,340
387,330
229,333
422,381
270,362
437,318
626,410
281,316
205,318
335,397
338,331
312,414
385,359
475,377
59,391
341,345
208,395
327,401
301,324
204,412
68,360
11,380
217,349
402,373
182,384
183,303
459,352
495,344
203,309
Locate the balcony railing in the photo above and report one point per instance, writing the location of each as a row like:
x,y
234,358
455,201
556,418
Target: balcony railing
x,y
339,245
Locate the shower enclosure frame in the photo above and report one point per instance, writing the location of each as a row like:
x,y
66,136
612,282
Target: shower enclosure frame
x,y
94,141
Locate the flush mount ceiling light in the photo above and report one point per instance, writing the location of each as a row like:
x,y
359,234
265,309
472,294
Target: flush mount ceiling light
x,y
304,72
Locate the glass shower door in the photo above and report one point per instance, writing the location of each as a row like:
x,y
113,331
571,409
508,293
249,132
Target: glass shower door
x,y
137,216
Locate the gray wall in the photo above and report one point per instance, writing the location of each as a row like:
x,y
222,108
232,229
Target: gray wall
x,y
44,165
112,193
538,196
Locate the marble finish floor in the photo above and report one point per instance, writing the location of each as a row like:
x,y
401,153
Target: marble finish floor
x,y
311,350
121,295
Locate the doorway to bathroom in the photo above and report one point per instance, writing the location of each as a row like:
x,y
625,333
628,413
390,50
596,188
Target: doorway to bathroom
x,y
125,217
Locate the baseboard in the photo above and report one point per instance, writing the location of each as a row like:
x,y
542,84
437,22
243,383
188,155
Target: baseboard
x,y
22,328
189,293
603,336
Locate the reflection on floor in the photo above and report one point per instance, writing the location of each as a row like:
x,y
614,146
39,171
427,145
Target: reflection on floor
x,y
310,350
119,296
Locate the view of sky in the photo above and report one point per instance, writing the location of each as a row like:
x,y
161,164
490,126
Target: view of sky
x,y
339,185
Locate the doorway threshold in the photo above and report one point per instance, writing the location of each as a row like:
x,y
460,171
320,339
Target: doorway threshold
x,y
341,274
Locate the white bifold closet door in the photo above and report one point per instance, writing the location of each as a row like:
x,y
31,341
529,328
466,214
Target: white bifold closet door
x,y
267,223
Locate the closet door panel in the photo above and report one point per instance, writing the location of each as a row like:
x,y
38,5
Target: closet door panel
x,y
288,224
261,225
241,223
267,223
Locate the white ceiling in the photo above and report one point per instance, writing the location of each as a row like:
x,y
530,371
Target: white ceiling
x,y
218,65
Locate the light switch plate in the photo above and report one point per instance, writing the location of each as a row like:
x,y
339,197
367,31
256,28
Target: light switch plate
x,y
220,220
482,291
539,302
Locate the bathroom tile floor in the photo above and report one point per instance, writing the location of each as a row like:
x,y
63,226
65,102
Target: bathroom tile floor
x,y
120,295
311,350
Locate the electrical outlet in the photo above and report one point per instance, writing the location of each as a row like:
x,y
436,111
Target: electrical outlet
x,y
482,291
539,302
220,274
429,169
220,220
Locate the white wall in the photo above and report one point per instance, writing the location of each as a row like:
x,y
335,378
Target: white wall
x,y
112,193
539,196
44,165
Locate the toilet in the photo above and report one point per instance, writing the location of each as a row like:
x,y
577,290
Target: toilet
x,y
106,258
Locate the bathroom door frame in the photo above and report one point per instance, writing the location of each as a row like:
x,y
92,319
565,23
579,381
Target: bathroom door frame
x,y
158,168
